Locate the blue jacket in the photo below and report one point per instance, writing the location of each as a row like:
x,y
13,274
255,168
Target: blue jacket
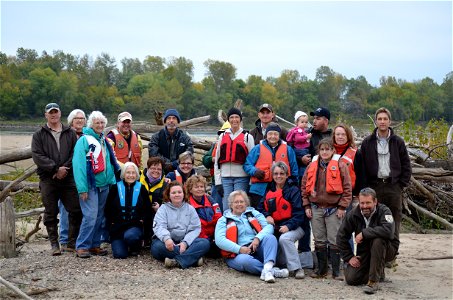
x,y
84,177
259,188
246,234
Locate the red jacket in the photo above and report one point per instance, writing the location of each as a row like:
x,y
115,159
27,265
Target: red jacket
x,y
209,214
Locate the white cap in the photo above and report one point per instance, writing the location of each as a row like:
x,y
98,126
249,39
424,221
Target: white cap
x,y
299,114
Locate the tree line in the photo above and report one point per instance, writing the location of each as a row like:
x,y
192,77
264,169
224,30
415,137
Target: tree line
x,y
28,81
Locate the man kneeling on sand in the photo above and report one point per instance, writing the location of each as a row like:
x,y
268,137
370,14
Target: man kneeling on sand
x,y
374,229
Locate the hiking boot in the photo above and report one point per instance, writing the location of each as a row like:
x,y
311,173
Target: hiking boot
x,y
391,264
298,274
280,273
98,251
55,250
170,263
200,262
83,253
65,249
315,275
338,277
371,287
267,276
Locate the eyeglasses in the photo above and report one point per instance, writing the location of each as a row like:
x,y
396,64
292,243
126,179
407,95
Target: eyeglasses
x,y
79,118
239,202
279,174
186,164
155,169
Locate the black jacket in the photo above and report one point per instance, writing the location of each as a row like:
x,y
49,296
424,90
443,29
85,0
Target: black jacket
x,y
45,152
119,220
257,132
400,164
316,137
381,225
169,147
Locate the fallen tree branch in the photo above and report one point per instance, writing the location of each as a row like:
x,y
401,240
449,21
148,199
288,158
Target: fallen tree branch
x,y
29,213
424,191
435,258
35,230
430,215
10,186
14,288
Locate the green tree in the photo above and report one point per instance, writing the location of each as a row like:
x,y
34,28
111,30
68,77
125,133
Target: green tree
x,y
222,74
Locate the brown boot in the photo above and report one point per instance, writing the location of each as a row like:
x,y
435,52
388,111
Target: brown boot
x,y
98,251
83,253
55,250
371,287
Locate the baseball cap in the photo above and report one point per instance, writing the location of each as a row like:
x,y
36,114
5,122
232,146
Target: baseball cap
x,y
266,106
51,106
124,116
321,112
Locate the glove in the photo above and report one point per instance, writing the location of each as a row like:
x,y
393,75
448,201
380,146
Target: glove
x,y
219,189
259,174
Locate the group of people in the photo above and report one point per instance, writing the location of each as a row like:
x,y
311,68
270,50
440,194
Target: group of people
x,y
271,189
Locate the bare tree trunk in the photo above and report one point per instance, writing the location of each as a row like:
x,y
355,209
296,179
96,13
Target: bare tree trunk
x,y
7,229
15,155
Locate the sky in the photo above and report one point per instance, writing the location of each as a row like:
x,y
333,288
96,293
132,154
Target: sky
x,y
410,40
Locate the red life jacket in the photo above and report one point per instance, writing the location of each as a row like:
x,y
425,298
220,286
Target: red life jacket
x,y
279,208
334,184
348,159
207,227
232,232
233,151
265,160
122,151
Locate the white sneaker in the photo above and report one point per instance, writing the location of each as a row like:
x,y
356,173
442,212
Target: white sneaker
x,y
300,274
280,273
200,262
263,273
268,277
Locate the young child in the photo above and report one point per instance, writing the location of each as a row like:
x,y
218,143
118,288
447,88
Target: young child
x,y
299,138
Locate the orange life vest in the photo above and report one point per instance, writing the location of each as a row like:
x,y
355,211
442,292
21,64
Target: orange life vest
x,y
232,232
122,151
233,151
334,184
265,160
279,208
348,159
207,227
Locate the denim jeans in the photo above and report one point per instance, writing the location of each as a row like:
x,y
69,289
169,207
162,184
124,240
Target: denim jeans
x,y
93,214
231,184
132,239
216,197
253,263
64,223
188,258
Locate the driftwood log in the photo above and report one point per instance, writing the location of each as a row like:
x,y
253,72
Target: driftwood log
x,y
7,229
14,288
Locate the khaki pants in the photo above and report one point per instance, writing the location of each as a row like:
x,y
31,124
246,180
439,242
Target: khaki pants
x,y
324,228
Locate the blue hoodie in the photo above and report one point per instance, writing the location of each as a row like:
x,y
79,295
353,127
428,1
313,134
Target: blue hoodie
x,y
84,177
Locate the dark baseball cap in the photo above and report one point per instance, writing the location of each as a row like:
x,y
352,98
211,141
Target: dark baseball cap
x,y
321,112
266,106
51,106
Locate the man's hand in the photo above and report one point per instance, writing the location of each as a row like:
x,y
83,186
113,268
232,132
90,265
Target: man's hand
x,y
62,172
355,261
259,174
359,238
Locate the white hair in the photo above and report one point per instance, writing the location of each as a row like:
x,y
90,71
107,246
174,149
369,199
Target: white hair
x,y
125,166
96,115
73,114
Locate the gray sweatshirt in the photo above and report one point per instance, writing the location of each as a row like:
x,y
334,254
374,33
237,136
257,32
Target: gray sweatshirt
x,y
181,224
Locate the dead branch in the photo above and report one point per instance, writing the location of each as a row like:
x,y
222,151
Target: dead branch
x,y
424,192
24,176
435,258
35,230
37,291
29,213
15,155
431,215
14,288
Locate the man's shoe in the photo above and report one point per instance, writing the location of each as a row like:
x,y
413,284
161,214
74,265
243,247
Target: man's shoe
x,y
391,264
55,250
300,274
200,262
338,277
98,251
371,287
83,253
170,263
280,273
65,249
315,275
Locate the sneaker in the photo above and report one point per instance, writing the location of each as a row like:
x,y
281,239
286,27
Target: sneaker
x,y
300,274
268,277
200,262
83,253
371,287
98,251
55,250
170,263
280,273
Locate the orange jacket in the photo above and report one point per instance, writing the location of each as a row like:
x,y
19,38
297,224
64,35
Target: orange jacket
x,y
265,161
277,206
232,232
348,159
122,151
